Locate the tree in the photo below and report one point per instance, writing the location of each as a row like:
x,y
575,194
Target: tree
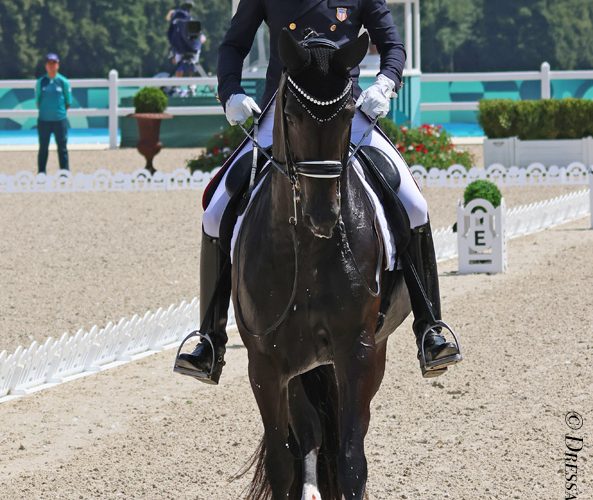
x,y
94,37
571,23
515,35
448,26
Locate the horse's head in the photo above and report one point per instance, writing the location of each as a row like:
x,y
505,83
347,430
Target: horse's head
x,y
314,110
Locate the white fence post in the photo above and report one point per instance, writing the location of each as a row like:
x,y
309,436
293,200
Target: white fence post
x,y
113,107
546,81
481,237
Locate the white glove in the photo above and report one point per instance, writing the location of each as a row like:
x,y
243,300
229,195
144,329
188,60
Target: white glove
x,y
375,100
239,108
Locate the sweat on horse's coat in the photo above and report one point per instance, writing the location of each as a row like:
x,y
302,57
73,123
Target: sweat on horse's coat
x,y
387,236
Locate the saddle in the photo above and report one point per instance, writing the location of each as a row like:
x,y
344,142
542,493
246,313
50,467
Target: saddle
x,y
237,185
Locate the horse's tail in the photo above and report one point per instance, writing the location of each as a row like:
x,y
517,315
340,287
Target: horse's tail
x,y
259,489
322,389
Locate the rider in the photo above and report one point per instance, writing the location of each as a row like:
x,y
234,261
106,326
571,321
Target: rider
x,y
340,21
181,43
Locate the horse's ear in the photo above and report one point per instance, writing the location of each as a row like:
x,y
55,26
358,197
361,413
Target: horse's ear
x,y
351,54
293,55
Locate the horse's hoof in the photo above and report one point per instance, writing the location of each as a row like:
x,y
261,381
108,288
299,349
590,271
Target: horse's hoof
x,y
310,492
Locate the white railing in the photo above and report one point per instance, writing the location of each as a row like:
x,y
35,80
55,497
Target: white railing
x,y
55,361
113,83
544,75
71,356
113,111
64,181
456,176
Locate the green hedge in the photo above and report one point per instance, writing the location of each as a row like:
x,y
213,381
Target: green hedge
x,y
532,120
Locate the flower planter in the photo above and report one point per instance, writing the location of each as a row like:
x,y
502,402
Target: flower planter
x,y
513,152
149,129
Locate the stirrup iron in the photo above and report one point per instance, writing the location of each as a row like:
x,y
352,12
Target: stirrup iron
x,y
437,367
211,377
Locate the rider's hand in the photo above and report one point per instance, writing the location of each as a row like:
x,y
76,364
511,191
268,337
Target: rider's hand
x,y
239,108
375,100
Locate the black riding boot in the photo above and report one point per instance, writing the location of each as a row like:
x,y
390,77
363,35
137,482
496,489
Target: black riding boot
x,y
215,278
438,352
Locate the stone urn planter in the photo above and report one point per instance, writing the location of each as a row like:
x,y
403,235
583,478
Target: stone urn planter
x,y
150,104
149,130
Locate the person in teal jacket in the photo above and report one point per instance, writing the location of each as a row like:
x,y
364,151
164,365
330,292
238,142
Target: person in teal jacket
x,y
54,96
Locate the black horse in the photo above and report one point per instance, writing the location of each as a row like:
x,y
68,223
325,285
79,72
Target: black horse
x,y
308,285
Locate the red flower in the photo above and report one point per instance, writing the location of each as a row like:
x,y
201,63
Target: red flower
x,y
215,150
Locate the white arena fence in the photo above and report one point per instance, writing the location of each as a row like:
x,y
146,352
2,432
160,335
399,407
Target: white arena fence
x,y
64,181
456,176
71,356
536,174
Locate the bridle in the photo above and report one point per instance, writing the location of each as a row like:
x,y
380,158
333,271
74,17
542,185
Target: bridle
x,y
320,169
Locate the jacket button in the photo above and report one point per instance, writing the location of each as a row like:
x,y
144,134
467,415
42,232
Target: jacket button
x,y
333,27
292,26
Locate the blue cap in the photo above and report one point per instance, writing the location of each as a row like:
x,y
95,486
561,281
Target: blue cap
x,y
52,57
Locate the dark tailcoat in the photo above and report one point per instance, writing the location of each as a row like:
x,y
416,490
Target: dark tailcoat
x,y
338,20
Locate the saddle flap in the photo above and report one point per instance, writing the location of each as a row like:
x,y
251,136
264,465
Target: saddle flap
x,y
385,180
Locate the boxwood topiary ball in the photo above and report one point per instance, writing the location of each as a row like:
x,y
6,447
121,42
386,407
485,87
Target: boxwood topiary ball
x,y
150,100
485,190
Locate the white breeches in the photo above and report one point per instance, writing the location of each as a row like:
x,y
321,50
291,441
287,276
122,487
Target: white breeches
x,y
409,194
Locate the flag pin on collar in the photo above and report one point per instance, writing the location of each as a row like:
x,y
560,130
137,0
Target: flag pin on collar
x,y
341,14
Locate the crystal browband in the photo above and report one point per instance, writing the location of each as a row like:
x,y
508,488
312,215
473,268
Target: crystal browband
x,y
317,101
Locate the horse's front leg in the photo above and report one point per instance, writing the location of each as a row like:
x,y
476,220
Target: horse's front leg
x,y
306,426
355,372
271,393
